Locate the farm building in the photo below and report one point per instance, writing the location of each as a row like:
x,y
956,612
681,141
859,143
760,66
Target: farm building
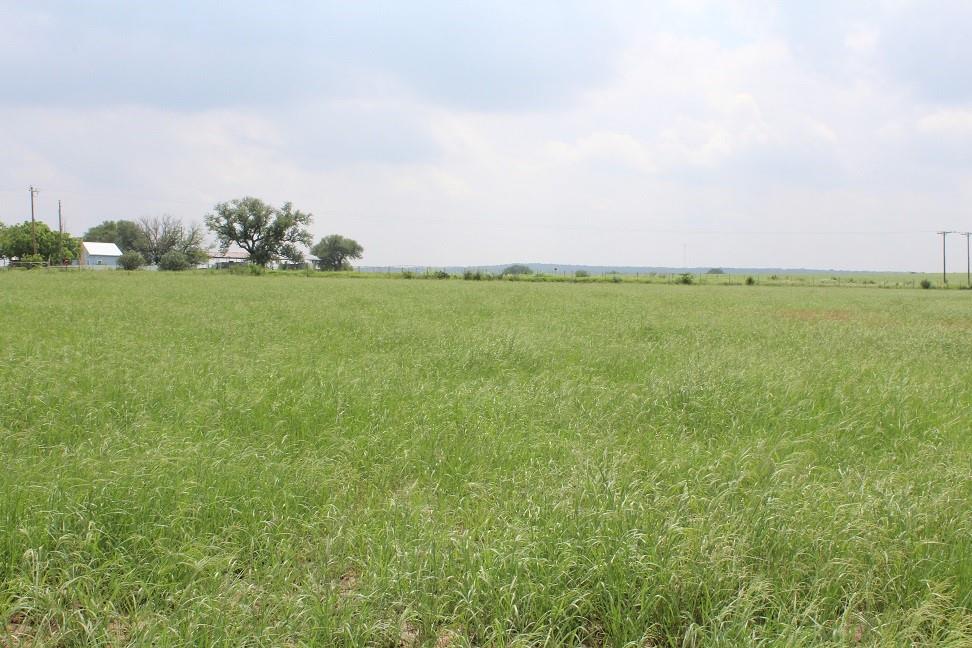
x,y
309,263
225,259
99,255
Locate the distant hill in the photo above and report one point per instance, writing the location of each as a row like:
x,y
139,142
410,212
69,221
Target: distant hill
x,y
567,268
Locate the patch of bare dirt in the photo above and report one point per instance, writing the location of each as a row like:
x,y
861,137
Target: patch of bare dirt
x,y
348,583
409,636
447,639
20,630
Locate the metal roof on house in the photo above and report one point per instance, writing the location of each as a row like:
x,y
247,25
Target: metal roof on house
x,y
230,254
101,249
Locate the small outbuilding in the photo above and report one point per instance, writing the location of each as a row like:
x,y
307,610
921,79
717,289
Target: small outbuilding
x,y
99,255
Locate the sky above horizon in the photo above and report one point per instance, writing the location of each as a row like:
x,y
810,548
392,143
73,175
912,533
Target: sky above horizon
x,y
705,133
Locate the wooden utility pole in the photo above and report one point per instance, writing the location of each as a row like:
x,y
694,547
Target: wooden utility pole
x,y
60,235
944,276
968,259
33,223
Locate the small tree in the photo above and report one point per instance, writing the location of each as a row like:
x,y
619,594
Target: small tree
x,y
174,260
264,231
335,252
131,260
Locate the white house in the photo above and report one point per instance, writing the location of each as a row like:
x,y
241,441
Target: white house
x,y
99,255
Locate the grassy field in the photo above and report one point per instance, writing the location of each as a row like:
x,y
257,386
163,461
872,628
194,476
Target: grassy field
x,y
207,459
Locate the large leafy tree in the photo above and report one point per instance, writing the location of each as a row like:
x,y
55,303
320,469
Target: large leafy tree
x,y
335,252
16,243
126,234
264,231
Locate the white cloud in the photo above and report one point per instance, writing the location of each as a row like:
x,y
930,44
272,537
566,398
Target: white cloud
x,y
947,123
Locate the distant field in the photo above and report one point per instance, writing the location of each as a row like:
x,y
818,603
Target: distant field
x,y
209,459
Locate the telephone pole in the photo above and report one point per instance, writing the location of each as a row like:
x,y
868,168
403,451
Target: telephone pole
x,y
944,276
60,235
33,223
968,259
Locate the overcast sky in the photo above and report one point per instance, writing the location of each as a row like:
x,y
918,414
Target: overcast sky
x,y
821,134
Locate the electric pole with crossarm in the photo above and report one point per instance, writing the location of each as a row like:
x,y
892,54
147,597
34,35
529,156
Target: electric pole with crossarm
x,y
944,276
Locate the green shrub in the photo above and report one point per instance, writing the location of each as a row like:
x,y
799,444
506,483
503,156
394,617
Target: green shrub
x,y
615,278
685,278
245,269
131,260
174,261
31,261
581,274
750,281
440,274
408,274
926,284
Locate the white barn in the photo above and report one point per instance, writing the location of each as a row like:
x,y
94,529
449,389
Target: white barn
x,y
99,255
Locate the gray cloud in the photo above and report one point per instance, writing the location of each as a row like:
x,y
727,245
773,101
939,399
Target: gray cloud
x,y
483,56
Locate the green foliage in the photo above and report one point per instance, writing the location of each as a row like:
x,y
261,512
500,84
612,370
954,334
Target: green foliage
x,y
476,275
249,269
926,284
750,281
32,261
517,269
16,243
582,274
264,231
440,274
418,463
131,260
127,235
174,260
685,278
336,252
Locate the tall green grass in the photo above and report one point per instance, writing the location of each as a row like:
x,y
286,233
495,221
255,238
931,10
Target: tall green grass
x,y
224,460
